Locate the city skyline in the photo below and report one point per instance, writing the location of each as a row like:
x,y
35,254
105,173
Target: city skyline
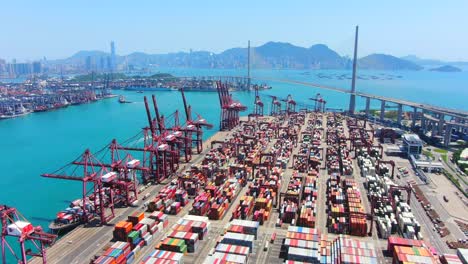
x,y
399,28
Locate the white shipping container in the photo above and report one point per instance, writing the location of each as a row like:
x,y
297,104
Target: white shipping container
x,y
232,258
160,226
133,163
19,227
108,177
148,238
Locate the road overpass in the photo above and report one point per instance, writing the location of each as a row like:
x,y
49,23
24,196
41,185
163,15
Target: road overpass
x,y
442,120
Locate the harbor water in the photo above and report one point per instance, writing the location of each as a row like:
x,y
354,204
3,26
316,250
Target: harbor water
x,y
43,142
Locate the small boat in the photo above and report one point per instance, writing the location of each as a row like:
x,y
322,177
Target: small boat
x,y
122,100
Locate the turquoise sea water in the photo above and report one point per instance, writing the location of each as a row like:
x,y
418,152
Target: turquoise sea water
x,y
43,142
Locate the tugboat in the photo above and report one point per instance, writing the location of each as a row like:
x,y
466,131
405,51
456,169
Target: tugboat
x,y
122,100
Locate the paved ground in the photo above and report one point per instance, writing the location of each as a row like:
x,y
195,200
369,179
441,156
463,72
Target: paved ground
x,y
431,190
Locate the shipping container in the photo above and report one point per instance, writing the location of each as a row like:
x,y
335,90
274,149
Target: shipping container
x,y
219,258
232,249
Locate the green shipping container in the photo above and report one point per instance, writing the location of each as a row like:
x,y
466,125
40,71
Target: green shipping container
x,y
133,235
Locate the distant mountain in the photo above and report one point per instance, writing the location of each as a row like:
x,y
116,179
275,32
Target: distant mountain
x,y
428,63
286,55
446,68
420,61
92,53
270,55
386,62
277,55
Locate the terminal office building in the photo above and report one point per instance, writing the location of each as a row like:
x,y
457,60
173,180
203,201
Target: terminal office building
x,y
412,144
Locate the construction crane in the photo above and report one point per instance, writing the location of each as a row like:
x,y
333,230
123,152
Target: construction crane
x,y
230,109
319,103
95,201
16,226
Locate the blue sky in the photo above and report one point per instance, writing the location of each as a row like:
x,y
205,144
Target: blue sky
x,y
57,29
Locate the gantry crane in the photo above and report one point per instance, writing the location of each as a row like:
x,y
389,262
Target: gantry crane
x,y
195,127
258,104
290,104
96,200
275,106
16,226
167,156
125,167
230,108
319,103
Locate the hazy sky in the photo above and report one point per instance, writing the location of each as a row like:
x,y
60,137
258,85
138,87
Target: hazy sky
x,y
57,29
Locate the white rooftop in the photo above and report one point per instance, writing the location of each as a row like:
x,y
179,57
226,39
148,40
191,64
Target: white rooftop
x,y
464,154
412,139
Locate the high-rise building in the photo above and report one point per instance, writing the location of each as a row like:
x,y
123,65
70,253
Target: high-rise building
x,y
102,64
113,58
109,63
88,63
2,66
17,69
36,67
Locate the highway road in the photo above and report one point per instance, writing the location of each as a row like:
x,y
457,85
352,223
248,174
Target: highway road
x,y
447,111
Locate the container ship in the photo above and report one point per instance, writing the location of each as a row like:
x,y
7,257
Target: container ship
x,y
71,217
14,111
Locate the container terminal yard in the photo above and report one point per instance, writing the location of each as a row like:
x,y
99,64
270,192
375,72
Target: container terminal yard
x,y
290,186
41,94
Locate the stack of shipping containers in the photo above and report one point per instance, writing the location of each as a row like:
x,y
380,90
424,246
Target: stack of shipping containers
x,y
132,235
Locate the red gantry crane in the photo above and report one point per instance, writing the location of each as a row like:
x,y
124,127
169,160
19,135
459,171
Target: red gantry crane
x,y
319,103
16,226
166,160
97,200
290,104
275,106
194,128
258,104
230,108
123,176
